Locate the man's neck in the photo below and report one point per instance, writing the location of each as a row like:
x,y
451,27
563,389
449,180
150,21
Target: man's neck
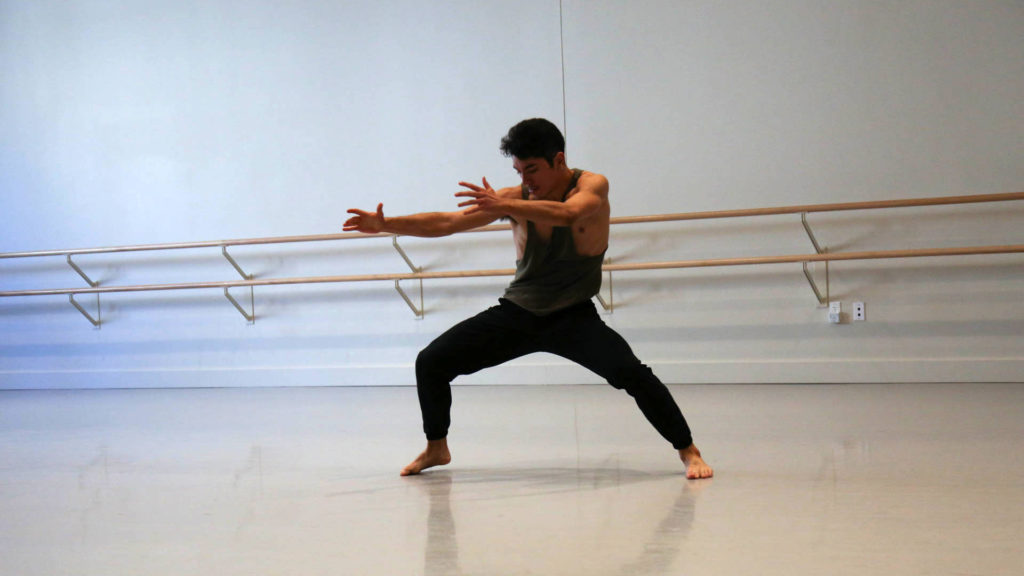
x,y
561,187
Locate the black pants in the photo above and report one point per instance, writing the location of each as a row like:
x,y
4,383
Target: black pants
x,y
507,331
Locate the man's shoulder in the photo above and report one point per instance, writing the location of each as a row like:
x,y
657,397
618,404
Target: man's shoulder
x,y
590,175
592,180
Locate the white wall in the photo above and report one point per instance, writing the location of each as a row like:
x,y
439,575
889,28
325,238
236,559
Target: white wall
x,y
139,122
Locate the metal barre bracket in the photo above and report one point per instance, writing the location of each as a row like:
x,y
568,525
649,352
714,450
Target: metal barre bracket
x,y
417,311
416,269
98,319
81,273
224,251
810,233
413,267
822,300
249,316
95,321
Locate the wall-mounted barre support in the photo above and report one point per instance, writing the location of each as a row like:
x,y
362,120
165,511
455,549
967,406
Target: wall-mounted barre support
x,y
609,305
224,251
810,233
249,316
416,269
95,321
822,300
413,267
417,311
81,273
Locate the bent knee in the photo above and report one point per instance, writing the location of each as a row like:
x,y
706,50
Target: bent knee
x,y
437,361
427,358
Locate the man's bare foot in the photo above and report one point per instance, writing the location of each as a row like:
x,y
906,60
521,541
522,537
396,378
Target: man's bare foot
x,y
696,467
436,454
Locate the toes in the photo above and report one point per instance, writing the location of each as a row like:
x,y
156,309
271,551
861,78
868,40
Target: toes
x,y
699,472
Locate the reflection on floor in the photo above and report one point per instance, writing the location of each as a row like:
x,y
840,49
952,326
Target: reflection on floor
x,y
857,479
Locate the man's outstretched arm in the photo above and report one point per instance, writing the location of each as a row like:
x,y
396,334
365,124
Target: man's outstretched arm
x,y
424,224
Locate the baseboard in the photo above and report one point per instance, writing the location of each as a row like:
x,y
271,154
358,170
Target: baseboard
x,y
526,372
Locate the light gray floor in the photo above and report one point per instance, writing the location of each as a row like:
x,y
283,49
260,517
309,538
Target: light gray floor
x,y
810,480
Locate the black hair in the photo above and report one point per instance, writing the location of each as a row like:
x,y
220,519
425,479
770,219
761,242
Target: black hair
x,y
534,138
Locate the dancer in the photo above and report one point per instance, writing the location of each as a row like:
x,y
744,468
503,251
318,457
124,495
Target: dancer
x,y
560,228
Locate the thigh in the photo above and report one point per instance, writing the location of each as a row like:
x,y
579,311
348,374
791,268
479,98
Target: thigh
x,y
492,337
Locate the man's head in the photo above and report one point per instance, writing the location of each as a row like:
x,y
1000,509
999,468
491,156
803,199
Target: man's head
x,y
537,148
534,138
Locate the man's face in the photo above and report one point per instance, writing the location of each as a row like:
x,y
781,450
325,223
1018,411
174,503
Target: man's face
x,y
537,175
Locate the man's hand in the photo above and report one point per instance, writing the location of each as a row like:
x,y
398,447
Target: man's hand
x,y
368,222
484,199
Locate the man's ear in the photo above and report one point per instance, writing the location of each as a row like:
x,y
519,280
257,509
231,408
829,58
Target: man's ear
x,y
559,160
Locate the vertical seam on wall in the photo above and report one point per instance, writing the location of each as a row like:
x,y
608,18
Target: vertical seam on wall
x,y
561,43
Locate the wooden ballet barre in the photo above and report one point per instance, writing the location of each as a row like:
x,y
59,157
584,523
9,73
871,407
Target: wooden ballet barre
x,y
200,244
744,261
827,257
417,273
837,207
809,208
265,282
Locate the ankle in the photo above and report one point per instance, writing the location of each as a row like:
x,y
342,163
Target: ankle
x,y
690,452
437,445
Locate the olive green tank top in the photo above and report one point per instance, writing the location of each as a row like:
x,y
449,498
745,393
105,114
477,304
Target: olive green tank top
x,y
552,275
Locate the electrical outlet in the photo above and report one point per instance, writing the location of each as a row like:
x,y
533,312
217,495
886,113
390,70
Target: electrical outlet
x,y
858,312
835,312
